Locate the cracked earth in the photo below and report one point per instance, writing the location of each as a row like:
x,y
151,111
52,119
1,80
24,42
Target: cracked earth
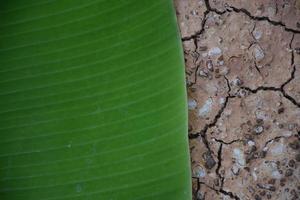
x,y
243,80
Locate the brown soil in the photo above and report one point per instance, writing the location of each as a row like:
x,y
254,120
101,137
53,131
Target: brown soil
x,y
243,81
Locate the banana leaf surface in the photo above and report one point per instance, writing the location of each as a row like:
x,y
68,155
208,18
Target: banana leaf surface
x,y
92,101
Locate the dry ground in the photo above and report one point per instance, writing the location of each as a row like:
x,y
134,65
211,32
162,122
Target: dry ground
x,y
243,80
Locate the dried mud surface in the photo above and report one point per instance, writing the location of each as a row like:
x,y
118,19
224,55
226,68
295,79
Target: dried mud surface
x,y
243,80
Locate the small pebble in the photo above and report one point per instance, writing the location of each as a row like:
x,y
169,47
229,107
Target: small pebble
x,y
203,73
257,197
199,172
209,160
216,182
209,65
237,82
200,196
272,188
258,129
251,143
220,40
242,93
293,192
262,193
291,127
292,163
282,182
289,172
280,110
281,126
259,121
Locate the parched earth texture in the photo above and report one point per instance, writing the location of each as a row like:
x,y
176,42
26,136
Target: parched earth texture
x,y
243,80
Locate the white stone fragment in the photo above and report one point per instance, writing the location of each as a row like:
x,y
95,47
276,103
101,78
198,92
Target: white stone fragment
x,y
277,150
221,62
192,104
261,115
235,169
276,174
214,51
257,34
266,148
199,172
239,156
237,81
251,143
206,108
254,175
222,100
258,53
203,73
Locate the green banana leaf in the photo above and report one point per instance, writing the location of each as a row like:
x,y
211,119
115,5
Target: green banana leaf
x,y
92,101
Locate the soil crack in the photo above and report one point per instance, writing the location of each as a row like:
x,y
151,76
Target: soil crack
x,y
203,132
226,193
198,33
246,12
227,143
276,89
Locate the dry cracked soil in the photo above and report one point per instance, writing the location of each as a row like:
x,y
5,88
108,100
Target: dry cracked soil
x,y
243,80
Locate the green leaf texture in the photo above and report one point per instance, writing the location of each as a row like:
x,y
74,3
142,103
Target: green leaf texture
x,y
92,101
